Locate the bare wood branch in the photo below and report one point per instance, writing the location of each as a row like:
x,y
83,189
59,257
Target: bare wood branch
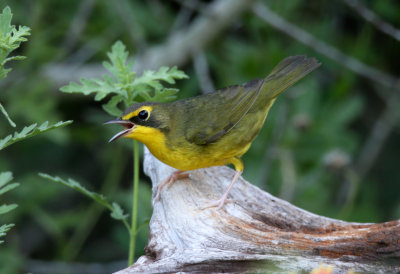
x,y
181,45
184,15
385,79
374,19
254,231
270,153
177,50
203,72
380,131
127,16
194,5
78,24
386,121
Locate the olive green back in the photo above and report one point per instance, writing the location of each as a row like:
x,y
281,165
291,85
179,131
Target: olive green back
x,y
208,117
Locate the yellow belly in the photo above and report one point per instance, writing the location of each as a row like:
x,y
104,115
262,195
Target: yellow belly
x,y
183,160
187,159
186,156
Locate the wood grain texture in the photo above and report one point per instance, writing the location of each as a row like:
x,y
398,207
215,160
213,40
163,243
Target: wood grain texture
x,y
254,232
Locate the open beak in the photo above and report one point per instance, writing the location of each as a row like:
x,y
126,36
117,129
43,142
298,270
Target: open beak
x,y
128,128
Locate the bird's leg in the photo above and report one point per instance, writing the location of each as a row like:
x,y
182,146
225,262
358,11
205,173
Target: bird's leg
x,y
221,201
176,175
238,163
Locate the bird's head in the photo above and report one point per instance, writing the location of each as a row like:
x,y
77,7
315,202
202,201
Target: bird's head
x,y
142,122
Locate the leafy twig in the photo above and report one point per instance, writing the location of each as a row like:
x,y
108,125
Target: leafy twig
x,y
5,179
10,39
30,131
3,110
124,88
116,210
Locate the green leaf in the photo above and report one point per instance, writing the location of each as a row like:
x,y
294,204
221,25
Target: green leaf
x,y
149,85
18,36
8,188
4,72
16,58
124,88
101,88
5,178
111,106
4,229
117,212
153,78
7,208
10,39
30,131
5,21
77,186
118,64
164,95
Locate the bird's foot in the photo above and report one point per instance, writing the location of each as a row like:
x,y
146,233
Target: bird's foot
x,y
176,175
218,203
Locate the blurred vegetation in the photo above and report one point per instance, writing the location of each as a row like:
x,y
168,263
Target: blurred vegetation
x,y
310,152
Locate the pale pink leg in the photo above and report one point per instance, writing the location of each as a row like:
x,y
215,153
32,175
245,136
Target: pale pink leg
x,y
221,201
176,175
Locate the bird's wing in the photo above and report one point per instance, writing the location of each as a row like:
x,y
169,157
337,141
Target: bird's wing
x,y
216,113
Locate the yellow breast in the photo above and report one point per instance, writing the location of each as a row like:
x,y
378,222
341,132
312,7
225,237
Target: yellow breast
x,y
185,156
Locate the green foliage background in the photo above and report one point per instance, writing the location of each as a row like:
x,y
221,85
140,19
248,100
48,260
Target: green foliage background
x,y
306,153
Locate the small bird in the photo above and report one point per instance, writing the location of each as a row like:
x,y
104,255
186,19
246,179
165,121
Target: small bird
x,y
213,129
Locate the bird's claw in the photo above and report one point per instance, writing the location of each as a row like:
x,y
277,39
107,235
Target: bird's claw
x,y
176,175
218,203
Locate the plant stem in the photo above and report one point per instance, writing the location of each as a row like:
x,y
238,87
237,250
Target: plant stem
x,y
134,202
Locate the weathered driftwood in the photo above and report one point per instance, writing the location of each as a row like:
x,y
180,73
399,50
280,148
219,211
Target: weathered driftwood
x,y
254,232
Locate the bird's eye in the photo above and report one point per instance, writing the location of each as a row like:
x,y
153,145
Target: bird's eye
x,y
143,115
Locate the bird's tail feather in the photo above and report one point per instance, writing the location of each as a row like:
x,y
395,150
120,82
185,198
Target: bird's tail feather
x,y
286,73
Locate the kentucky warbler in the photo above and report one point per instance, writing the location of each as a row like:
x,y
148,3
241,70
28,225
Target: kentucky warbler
x,y
213,129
